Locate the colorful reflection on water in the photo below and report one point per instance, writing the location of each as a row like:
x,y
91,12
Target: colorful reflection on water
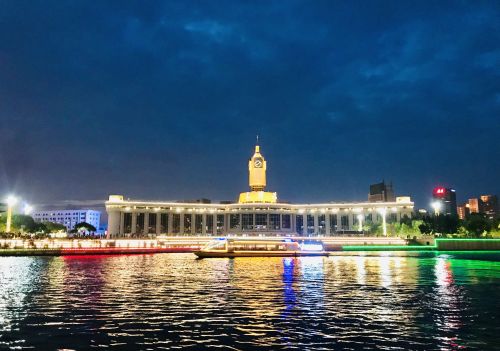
x,y
163,301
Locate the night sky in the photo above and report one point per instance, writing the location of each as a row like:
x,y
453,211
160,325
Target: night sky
x,y
162,101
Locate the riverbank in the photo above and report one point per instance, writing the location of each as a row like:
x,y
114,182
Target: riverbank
x,y
13,247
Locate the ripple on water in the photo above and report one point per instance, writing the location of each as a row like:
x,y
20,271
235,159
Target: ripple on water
x,y
170,301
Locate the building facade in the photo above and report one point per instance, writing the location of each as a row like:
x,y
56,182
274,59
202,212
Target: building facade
x,y
463,211
257,212
447,200
381,192
69,218
490,205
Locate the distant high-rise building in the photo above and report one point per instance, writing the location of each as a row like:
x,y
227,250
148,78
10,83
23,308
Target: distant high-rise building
x,y
475,205
381,192
463,211
447,199
490,205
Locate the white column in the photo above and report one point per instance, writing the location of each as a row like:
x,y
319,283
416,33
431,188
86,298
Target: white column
x,y
214,224
181,224
158,223
146,223
193,224
327,223
204,224
316,224
134,223
113,223
170,223
122,223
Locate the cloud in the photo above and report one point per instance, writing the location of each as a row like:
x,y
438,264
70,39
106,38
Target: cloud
x,y
163,99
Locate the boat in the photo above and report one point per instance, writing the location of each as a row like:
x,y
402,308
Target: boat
x,y
255,247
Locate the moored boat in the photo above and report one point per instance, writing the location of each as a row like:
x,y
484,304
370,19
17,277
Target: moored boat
x,y
254,247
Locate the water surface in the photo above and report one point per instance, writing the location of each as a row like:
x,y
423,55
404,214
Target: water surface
x,y
174,301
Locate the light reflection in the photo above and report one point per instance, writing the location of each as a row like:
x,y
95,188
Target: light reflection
x,y
360,270
450,304
18,277
268,303
289,294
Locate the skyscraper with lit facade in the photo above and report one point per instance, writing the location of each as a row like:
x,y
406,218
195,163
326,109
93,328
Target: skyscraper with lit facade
x,y
446,200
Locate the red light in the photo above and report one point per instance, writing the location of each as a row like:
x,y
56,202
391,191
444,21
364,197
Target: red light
x,y
440,191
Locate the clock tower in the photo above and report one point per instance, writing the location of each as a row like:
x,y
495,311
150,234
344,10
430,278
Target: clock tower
x,y
257,167
257,171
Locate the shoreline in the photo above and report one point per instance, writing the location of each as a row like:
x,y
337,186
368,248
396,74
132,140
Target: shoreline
x,y
190,244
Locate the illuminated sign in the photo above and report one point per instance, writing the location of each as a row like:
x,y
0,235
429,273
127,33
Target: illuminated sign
x,y
439,191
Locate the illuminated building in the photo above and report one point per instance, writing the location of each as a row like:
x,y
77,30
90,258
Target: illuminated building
x,y
447,200
68,218
487,204
463,211
475,205
490,205
257,212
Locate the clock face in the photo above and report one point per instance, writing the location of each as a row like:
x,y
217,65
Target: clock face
x,y
258,162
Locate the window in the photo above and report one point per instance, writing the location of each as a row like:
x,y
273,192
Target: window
x,y
393,218
333,223
247,221
368,218
187,223
274,221
127,222
210,224
234,221
176,223
220,224
139,228
152,223
310,224
299,224
260,221
198,224
344,222
321,224
285,221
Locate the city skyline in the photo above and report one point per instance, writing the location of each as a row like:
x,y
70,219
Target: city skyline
x,y
163,101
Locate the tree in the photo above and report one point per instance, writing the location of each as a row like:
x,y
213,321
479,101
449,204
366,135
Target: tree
x,y
24,222
425,228
54,227
85,226
477,223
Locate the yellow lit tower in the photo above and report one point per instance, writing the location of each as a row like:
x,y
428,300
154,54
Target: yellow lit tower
x,y
257,167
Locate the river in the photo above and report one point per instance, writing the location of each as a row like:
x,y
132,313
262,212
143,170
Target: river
x,y
175,301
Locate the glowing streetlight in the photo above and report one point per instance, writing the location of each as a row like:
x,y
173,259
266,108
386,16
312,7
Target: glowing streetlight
x,y
383,212
360,222
11,201
27,209
436,205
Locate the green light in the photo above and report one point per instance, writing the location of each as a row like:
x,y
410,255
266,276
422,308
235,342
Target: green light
x,y
417,247
387,248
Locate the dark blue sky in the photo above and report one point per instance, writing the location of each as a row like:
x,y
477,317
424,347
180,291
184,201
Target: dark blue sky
x,y
161,100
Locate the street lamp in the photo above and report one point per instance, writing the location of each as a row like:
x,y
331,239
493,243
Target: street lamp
x,y
436,205
360,222
383,212
11,201
27,209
